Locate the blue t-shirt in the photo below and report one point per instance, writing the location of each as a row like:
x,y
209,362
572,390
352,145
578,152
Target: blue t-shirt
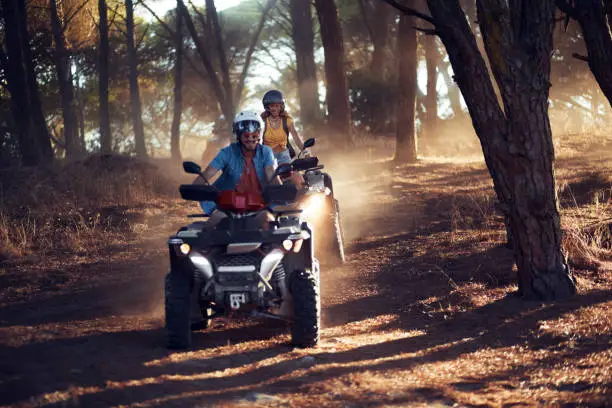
x,y
230,161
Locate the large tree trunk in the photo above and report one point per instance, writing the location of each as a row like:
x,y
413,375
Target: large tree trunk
x,y
591,15
39,121
175,136
103,56
516,140
17,85
141,149
432,57
66,88
33,135
406,143
303,39
339,112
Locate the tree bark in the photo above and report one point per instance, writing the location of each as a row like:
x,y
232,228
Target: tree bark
x,y
303,38
74,149
39,121
16,83
339,112
592,15
139,136
516,140
175,136
432,57
34,138
406,143
103,57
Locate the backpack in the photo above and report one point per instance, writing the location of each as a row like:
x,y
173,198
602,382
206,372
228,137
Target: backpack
x,y
286,130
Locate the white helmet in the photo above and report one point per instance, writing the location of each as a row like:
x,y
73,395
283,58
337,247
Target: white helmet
x,y
246,121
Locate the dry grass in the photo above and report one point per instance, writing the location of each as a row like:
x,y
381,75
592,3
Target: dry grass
x,y
73,207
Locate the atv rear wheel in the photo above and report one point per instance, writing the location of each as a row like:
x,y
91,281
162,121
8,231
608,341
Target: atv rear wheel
x,y
306,307
178,313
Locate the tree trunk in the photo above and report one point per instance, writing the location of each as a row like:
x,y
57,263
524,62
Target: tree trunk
x,y
34,139
141,149
339,112
39,121
406,143
591,15
381,22
432,57
17,85
303,38
175,137
78,93
516,140
103,57
64,77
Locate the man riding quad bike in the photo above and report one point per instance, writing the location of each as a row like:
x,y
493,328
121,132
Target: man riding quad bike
x,y
251,256
320,206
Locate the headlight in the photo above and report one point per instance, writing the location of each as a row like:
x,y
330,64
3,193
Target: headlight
x,y
314,205
185,248
287,244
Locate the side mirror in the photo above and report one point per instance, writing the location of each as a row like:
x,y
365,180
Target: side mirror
x,y
309,143
191,167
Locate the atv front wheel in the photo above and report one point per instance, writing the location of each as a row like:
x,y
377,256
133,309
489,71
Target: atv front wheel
x,y
178,313
306,308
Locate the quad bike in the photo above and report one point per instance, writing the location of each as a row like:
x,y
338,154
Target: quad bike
x,y
321,208
259,259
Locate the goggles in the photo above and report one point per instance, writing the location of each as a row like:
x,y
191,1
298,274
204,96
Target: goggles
x,y
247,126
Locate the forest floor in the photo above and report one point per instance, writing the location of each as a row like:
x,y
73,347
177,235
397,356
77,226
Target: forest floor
x,y
422,313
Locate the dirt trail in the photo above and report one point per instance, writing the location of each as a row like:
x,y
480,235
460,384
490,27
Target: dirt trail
x,y
419,316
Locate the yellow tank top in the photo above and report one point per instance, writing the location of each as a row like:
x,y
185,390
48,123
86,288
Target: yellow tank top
x,y
276,138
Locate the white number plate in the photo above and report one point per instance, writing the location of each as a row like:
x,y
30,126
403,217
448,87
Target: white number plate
x,y
236,299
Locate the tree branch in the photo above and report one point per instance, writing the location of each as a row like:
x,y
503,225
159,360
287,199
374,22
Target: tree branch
x,y
427,31
112,19
212,75
580,57
159,20
213,17
68,19
247,61
144,34
567,7
410,11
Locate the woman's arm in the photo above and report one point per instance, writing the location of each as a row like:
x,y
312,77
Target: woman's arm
x,y
296,137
